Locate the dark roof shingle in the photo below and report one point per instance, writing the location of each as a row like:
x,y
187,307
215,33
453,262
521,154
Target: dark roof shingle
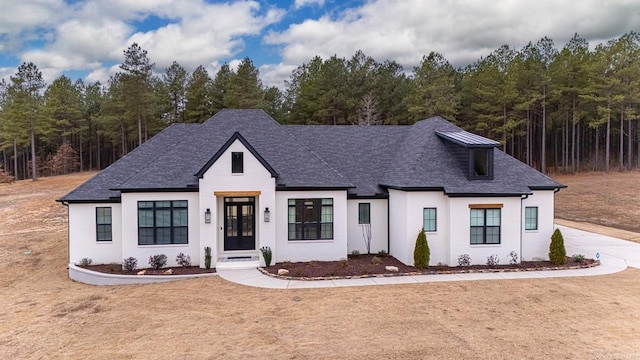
x,y
363,159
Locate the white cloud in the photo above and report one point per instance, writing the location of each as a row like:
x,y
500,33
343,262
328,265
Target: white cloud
x,y
462,31
96,32
273,75
301,3
27,20
213,33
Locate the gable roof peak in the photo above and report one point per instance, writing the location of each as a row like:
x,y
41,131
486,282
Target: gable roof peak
x,y
236,136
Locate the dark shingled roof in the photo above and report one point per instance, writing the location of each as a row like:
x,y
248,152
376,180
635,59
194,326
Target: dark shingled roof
x,y
365,160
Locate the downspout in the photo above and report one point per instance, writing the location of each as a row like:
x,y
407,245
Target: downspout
x,y
68,234
522,198
389,225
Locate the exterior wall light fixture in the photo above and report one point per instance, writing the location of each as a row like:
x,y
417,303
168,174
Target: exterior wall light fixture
x,y
207,216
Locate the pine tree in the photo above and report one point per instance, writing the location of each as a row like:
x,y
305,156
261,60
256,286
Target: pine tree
x,y
557,252
245,88
175,79
421,253
24,110
198,108
433,91
136,82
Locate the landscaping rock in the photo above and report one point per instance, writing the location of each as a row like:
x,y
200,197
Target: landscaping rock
x,y
283,272
168,272
142,272
391,268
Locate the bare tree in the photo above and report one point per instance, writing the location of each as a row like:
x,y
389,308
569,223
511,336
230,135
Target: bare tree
x,y
368,111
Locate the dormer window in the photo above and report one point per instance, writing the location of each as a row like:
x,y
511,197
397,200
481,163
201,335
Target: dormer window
x,y
481,164
237,163
474,153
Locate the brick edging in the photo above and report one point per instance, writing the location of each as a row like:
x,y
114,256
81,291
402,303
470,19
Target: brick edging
x,y
433,272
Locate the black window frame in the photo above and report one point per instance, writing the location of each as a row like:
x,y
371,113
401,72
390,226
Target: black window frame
x,y
364,213
526,217
435,219
308,222
237,162
178,234
103,228
485,227
473,157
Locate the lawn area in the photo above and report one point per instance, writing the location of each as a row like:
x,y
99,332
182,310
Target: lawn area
x,y
43,314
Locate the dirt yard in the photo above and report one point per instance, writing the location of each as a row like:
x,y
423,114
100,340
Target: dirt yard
x,y
45,315
611,200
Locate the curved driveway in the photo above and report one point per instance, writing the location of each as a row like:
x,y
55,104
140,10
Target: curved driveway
x,y
615,256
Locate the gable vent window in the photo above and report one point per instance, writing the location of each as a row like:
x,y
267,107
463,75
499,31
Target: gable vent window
x,y
237,163
481,164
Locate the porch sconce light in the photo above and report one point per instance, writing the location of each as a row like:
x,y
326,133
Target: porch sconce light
x,y
267,215
207,216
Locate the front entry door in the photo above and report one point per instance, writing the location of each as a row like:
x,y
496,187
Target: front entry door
x,y
239,223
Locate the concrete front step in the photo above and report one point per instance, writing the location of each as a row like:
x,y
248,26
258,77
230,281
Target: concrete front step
x,y
226,263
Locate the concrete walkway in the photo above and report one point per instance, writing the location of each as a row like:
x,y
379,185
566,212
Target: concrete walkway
x,y
615,256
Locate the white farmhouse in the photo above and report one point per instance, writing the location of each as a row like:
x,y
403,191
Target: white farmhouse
x,y
241,181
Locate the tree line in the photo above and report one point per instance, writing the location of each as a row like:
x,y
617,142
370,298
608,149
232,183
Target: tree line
x,y
566,110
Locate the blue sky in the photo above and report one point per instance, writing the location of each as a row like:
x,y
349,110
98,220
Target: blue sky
x,y
85,39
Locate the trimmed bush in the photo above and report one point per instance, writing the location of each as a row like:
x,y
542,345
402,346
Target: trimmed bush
x,y
557,252
157,261
130,263
493,260
464,260
183,260
84,262
421,253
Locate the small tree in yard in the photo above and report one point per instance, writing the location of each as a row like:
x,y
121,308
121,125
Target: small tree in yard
x,y
557,252
421,254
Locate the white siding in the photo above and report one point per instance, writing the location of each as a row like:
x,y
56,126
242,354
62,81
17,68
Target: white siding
x,y
460,229
438,240
379,226
535,243
219,178
400,245
82,235
130,245
406,221
307,250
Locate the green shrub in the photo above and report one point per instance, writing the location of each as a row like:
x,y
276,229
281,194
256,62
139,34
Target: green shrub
x,y
267,254
158,261
183,260
557,252
130,263
207,257
579,258
421,254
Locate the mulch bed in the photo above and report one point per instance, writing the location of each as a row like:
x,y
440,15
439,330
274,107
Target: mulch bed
x,y
116,269
366,266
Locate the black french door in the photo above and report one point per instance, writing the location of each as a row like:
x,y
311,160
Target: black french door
x,y
239,223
